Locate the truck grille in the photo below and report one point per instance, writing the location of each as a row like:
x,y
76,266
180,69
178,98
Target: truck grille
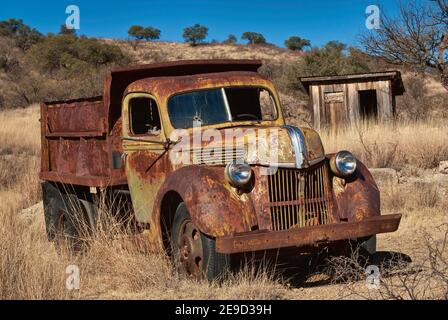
x,y
299,198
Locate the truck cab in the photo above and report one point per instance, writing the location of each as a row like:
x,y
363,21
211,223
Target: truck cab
x,y
210,166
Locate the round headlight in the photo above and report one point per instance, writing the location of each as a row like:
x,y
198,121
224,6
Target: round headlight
x,y
238,174
343,163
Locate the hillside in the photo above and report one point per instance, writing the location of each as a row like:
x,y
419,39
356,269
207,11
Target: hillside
x,y
149,52
411,150
66,67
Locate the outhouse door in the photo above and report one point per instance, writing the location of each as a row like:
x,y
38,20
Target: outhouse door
x,y
335,109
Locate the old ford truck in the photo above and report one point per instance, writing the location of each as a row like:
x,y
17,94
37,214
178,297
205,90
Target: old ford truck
x,y
203,200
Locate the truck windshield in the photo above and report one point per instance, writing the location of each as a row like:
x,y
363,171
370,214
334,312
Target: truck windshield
x,y
220,105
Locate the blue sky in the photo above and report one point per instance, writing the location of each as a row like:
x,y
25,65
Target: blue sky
x,y
318,20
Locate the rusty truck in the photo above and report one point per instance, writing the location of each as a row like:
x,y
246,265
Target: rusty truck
x,y
203,207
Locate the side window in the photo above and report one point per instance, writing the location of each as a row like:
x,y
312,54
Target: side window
x,y
144,116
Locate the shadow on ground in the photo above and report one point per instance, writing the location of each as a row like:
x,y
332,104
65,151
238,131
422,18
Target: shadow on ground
x,y
313,270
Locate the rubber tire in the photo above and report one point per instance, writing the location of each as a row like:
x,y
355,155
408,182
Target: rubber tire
x,y
57,207
368,244
215,264
366,249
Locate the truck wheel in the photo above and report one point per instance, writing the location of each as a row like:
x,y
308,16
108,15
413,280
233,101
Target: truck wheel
x,y
64,218
366,249
368,244
193,252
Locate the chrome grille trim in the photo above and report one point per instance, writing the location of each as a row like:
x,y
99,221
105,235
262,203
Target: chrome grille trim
x,y
298,146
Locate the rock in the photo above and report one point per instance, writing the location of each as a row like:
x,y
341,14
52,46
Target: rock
x,y
34,215
384,176
443,167
441,180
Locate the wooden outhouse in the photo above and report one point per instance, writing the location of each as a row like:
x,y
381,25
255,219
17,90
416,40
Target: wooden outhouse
x,y
340,100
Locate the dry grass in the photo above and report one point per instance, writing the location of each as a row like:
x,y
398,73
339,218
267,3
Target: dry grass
x,y
157,51
398,277
420,144
30,267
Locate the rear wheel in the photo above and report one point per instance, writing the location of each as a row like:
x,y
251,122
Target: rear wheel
x,y
194,253
65,218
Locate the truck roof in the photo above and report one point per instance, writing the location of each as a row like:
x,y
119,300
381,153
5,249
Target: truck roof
x,y
117,80
164,87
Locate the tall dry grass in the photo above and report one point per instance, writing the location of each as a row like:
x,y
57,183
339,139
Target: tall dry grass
x,y
393,145
30,267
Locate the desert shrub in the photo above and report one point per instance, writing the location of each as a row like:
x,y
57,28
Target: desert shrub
x,y
332,59
144,33
22,34
253,37
422,99
9,54
400,278
138,33
231,39
297,43
68,31
59,67
195,34
71,54
427,196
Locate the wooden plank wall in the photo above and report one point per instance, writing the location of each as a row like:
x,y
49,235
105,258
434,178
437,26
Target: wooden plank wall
x,y
351,100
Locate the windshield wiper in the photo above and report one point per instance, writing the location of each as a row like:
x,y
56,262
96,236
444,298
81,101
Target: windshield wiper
x,y
166,144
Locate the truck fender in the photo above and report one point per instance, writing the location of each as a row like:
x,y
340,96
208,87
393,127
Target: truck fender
x,y
214,206
357,197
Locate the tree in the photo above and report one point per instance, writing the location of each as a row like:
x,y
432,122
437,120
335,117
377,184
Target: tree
x,y
297,43
195,34
231,39
417,38
332,59
139,33
23,35
253,38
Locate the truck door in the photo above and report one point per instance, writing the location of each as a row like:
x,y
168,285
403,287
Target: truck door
x,y
143,147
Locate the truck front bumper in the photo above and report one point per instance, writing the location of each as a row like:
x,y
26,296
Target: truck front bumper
x,y
266,239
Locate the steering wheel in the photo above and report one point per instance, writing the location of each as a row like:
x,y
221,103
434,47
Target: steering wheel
x,y
246,115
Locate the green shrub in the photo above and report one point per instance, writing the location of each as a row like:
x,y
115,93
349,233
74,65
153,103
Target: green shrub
x,y
253,38
231,39
195,34
59,67
297,43
23,35
65,30
70,54
332,59
142,33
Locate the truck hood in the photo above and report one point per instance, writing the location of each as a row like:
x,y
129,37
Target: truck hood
x,y
284,146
